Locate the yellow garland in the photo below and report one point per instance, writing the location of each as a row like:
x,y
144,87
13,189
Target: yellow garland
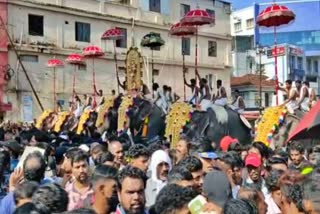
x,y
126,102
108,103
83,119
45,114
176,119
269,119
62,116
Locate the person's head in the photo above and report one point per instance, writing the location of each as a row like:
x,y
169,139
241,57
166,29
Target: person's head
x,y
107,159
239,206
23,192
236,93
255,196
66,167
219,83
277,163
139,156
34,167
217,188
104,180
298,83
261,150
194,165
165,88
207,160
113,92
80,167
288,84
182,148
116,148
203,81
155,86
296,153
51,198
273,186
254,166
180,176
100,92
13,147
169,89
160,165
4,161
131,184
193,82
81,211
174,199
227,143
306,83
96,151
232,164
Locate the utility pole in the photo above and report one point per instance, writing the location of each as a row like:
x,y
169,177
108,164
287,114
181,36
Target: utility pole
x,y
260,50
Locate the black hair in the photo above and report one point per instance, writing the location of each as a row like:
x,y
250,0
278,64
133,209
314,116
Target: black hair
x,y
192,163
193,80
282,154
34,172
298,81
79,156
155,86
232,159
296,146
107,156
179,174
131,172
289,82
104,172
24,190
72,152
98,148
264,150
237,91
81,211
29,208
51,198
41,136
275,160
200,146
272,181
4,161
154,147
239,206
294,193
306,83
172,198
138,150
219,82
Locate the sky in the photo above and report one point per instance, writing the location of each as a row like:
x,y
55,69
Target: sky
x,y
238,4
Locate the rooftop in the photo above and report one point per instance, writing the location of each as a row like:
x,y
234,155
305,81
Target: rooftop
x,y
252,80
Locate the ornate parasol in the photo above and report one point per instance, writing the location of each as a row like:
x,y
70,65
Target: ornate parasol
x,y
114,34
152,40
197,18
183,30
93,51
54,63
273,16
75,60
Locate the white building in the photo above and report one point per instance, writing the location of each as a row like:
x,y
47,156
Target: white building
x,y
43,29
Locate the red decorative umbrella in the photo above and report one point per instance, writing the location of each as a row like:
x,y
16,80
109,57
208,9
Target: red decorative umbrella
x,y
183,30
93,51
74,59
273,16
54,63
197,18
309,125
114,34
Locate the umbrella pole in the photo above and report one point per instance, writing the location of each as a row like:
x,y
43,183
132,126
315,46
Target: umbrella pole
x,y
276,65
74,83
54,89
116,63
196,62
93,83
152,67
184,75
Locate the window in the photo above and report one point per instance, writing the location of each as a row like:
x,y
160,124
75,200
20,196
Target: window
x,y
250,24
293,62
315,66
212,48
266,99
184,9
155,6
82,32
237,27
155,72
122,43
82,67
309,65
300,63
35,25
212,13
29,58
185,46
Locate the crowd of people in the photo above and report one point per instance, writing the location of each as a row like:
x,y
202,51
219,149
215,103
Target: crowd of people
x,y
47,173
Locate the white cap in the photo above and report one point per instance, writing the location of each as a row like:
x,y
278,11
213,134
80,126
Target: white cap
x,y
84,148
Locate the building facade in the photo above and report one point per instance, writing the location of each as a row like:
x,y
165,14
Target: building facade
x,y
44,29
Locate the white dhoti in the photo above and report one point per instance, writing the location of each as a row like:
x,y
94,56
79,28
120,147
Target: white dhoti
x,y
292,106
205,104
221,101
237,109
305,105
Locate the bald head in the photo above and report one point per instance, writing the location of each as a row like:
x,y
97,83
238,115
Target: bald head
x,y
116,148
34,167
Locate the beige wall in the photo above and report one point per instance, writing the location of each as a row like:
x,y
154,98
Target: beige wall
x,y
59,41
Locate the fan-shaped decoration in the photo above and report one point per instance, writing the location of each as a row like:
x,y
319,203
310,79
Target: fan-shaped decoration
x,y
45,114
103,110
62,117
123,121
